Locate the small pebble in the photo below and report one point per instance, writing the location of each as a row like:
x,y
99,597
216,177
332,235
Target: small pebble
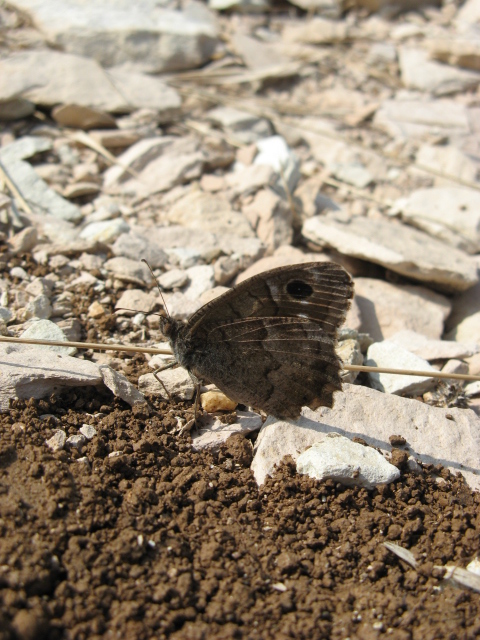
x,y
96,310
57,441
88,431
76,441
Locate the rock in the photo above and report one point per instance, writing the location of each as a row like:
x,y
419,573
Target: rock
x,y
137,300
24,148
178,160
447,160
388,354
77,441
463,324
327,8
244,126
88,431
177,382
416,118
208,212
349,353
402,249
458,51
115,138
16,109
173,279
386,309
469,13
275,153
429,349
116,35
317,31
451,214
82,117
105,231
347,462
128,270
47,330
201,278
241,6
23,241
418,72
131,245
57,441
353,173
134,159
96,310
271,218
217,433
81,189
245,180
180,307
39,307
38,76
39,194
374,416
120,386
37,374
212,401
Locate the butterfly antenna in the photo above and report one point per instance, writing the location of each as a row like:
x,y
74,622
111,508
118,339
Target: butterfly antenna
x,y
158,287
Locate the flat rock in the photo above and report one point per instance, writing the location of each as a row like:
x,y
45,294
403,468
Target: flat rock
x,y
317,30
217,433
39,76
82,117
116,33
24,240
419,72
24,148
37,374
245,126
177,382
375,416
39,194
133,246
137,300
388,354
210,212
128,270
463,324
106,231
46,330
451,214
271,218
398,247
430,349
120,386
347,462
173,279
386,309
201,279
449,162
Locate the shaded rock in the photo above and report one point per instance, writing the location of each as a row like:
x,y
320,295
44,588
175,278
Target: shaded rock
x,y
177,382
82,117
120,386
388,354
347,462
245,126
458,51
16,109
400,248
133,246
215,432
24,148
451,214
271,218
463,324
37,374
24,240
374,416
386,309
201,278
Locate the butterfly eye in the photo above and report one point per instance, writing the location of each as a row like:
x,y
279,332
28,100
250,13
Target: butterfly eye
x,y
299,289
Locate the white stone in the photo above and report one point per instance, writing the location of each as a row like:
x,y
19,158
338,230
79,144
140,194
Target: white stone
x,y
447,160
375,416
173,279
275,152
116,33
24,148
88,431
104,231
57,441
353,173
390,355
39,373
419,72
216,433
128,270
430,349
398,247
39,307
451,214
386,309
201,278
347,462
46,330
137,300
76,441
177,382
463,324
180,307
24,240
39,194
246,127
120,386
133,246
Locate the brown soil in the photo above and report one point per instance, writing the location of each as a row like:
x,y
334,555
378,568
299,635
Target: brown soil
x,y
164,542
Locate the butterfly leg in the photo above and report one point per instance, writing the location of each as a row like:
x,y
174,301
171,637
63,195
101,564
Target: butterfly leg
x,y
157,371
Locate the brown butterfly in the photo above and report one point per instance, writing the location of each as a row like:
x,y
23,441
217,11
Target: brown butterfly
x,y
270,341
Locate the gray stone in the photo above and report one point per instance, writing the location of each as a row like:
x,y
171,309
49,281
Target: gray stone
x,y
137,300
23,241
131,245
120,386
375,416
24,148
39,307
246,127
451,214
88,431
38,373
347,462
388,354
201,279
57,441
46,330
38,194
173,279
116,34
429,349
177,382
398,247
128,270
77,441
216,433
106,231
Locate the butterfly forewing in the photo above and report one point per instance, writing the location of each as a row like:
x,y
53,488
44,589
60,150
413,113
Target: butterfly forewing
x,y
270,341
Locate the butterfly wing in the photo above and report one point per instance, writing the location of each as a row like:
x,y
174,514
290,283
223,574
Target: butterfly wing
x,y
270,341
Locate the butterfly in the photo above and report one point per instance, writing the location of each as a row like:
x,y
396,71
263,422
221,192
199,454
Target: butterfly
x,y
270,341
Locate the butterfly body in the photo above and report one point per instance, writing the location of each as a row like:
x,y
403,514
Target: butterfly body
x,y
270,341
